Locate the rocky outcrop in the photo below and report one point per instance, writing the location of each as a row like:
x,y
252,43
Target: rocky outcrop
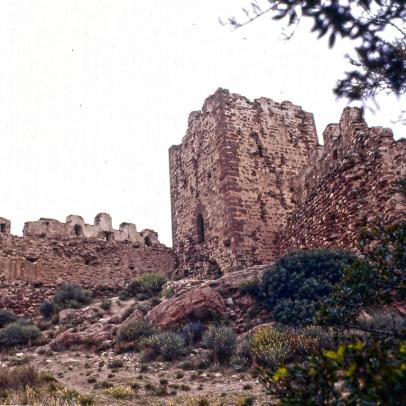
x,y
201,303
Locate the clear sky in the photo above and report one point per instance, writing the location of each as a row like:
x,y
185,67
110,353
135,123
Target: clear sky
x,y
94,92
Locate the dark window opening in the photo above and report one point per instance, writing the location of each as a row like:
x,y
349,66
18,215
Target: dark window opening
x,y
78,230
147,241
2,228
108,236
200,229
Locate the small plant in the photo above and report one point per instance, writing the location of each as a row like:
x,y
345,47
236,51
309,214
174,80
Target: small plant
x,y
18,333
135,330
169,345
71,296
275,346
221,341
192,332
106,304
115,363
6,317
149,284
120,392
48,309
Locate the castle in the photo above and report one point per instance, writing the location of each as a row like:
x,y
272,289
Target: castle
x,y
249,183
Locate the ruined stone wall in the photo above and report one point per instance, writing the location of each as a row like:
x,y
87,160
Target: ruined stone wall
x,y
347,186
231,180
92,263
102,228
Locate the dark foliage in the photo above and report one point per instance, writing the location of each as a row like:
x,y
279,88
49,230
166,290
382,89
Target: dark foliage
x,y
192,332
48,309
297,285
71,296
6,317
18,333
379,63
144,286
358,373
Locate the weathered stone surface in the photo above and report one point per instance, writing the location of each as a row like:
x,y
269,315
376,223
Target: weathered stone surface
x,y
69,339
346,186
136,315
200,302
231,180
249,182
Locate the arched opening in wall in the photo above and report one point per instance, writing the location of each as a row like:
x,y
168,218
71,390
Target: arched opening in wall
x,y
147,241
108,236
200,228
2,228
78,230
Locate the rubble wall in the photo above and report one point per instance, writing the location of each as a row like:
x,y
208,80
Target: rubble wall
x,y
31,267
346,187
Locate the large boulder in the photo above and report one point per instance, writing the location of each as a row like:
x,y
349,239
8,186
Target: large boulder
x,y
70,339
200,303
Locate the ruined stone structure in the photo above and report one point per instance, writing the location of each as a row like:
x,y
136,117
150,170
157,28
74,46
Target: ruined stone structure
x,y
250,182
99,258
231,180
102,229
346,186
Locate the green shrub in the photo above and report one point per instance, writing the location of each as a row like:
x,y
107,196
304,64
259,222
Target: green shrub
x,y
273,346
298,284
6,317
71,296
167,344
378,279
146,285
48,309
135,330
221,340
192,332
18,333
371,373
106,304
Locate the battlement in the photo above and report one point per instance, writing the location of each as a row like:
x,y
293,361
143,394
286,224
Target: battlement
x,y
250,182
102,229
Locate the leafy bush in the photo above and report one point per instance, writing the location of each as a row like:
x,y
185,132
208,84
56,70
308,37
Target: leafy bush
x,y
18,333
221,341
357,373
146,285
135,331
378,279
6,317
192,332
48,309
71,296
106,304
167,344
273,346
298,284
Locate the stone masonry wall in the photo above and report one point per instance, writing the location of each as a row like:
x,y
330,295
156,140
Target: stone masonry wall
x,y
231,177
32,267
347,186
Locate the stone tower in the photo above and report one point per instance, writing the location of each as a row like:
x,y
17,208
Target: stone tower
x,y
231,180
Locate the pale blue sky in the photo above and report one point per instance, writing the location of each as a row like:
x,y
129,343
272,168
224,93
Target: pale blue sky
x,y
93,93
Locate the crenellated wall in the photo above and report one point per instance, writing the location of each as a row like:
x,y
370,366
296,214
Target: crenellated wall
x,y
347,186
